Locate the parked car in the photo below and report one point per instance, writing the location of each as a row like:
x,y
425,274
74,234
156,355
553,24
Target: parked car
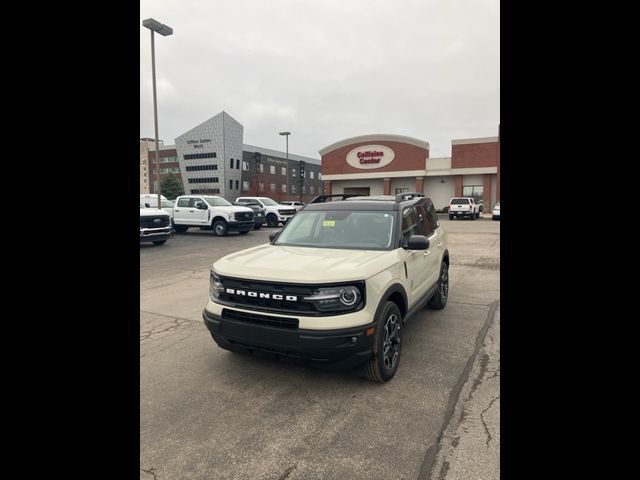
x,y
335,286
155,225
211,212
495,215
297,205
463,207
276,212
259,213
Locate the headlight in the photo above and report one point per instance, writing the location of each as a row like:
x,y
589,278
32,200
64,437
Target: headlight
x,y
336,298
215,286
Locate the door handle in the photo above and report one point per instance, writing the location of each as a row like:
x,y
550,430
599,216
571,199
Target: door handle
x,y
176,210
191,211
426,253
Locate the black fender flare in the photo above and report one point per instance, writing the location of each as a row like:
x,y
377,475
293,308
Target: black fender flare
x,y
395,288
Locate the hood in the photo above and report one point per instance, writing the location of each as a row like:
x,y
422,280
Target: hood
x,y
304,265
148,212
235,208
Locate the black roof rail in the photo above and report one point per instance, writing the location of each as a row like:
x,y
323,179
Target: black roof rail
x,y
323,198
401,197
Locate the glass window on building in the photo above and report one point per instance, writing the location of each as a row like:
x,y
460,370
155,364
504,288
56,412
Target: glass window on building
x,y
245,165
311,176
230,184
283,171
319,176
231,163
245,185
262,168
311,189
474,191
303,189
284,188
272,169
237,164
401,190
237,185
273,187
260,187
294,188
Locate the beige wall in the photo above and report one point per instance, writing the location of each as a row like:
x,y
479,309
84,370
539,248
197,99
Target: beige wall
x,y
440,193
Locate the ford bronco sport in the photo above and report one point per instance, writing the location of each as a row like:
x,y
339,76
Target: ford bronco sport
x,y
335,285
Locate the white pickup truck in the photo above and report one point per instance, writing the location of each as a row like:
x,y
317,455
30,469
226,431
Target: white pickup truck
x,y
155,225
211,212
463,207
276,213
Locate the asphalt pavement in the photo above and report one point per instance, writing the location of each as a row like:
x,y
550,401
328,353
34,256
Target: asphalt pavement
x,y
206,413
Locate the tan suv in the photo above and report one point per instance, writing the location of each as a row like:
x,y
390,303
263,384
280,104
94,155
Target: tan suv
x,y
335,286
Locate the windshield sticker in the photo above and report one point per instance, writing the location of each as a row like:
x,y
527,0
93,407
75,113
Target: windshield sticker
x,y
328,223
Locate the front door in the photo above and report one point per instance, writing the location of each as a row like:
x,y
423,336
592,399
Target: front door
x,y
416,261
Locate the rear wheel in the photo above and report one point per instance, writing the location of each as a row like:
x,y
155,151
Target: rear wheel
x,y
244,232
272,220
473,216
450,217
439,300
386,345
478,215
220,228
159,242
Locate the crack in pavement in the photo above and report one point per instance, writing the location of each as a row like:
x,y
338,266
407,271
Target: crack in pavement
x,y
150,472
433,450
170,316
146,334
287,472
484,423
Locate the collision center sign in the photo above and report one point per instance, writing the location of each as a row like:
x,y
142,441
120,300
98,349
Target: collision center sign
x,y
369,157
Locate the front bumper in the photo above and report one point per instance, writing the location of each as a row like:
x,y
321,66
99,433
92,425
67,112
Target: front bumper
x,y
461,214
155,234
339,349
240,226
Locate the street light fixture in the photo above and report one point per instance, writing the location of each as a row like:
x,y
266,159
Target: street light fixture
x,y
163,30
286,135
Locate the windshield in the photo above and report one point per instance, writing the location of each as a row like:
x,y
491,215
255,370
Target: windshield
x,y
267,201
361,230
216,201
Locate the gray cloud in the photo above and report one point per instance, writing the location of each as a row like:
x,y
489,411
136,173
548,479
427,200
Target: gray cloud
x,y
325,70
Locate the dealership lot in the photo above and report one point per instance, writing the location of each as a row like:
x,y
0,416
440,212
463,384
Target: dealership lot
x,y
208,413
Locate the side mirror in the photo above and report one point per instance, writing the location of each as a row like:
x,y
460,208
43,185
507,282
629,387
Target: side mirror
x,y
273,235
418,242
201,206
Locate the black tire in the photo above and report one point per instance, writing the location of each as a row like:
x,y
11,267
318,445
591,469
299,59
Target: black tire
x,y
439,300
387,345
450,217
244,232
272,220
180,228
220,228
159,242
257,227
478,215
473,216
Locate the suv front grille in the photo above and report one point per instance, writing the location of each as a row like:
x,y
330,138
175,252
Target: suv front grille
x,y
286,211
156,221
244,216
278,322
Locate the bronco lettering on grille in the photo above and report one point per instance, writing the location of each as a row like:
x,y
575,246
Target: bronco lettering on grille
x,y
273,296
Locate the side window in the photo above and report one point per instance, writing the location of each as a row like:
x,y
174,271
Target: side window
x,y
195,201
434,215
425,220
183,202
410,224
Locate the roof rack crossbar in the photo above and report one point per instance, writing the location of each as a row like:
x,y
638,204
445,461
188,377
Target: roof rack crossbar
x,y
401,197
323,198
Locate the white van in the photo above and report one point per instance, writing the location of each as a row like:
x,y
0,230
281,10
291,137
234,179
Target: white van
x,y
150,200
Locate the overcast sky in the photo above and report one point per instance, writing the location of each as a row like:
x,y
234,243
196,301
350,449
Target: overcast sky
x,y
325,69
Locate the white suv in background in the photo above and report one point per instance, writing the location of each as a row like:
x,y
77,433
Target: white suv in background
x,y
463,207
276,212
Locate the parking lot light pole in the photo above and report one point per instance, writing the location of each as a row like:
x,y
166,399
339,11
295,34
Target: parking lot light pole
x,y
163,30
286,135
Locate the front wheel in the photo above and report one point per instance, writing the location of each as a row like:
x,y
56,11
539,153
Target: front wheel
x,y
180,228
272,220
450,217
439,300
159,242
386,345
244,232
220,228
